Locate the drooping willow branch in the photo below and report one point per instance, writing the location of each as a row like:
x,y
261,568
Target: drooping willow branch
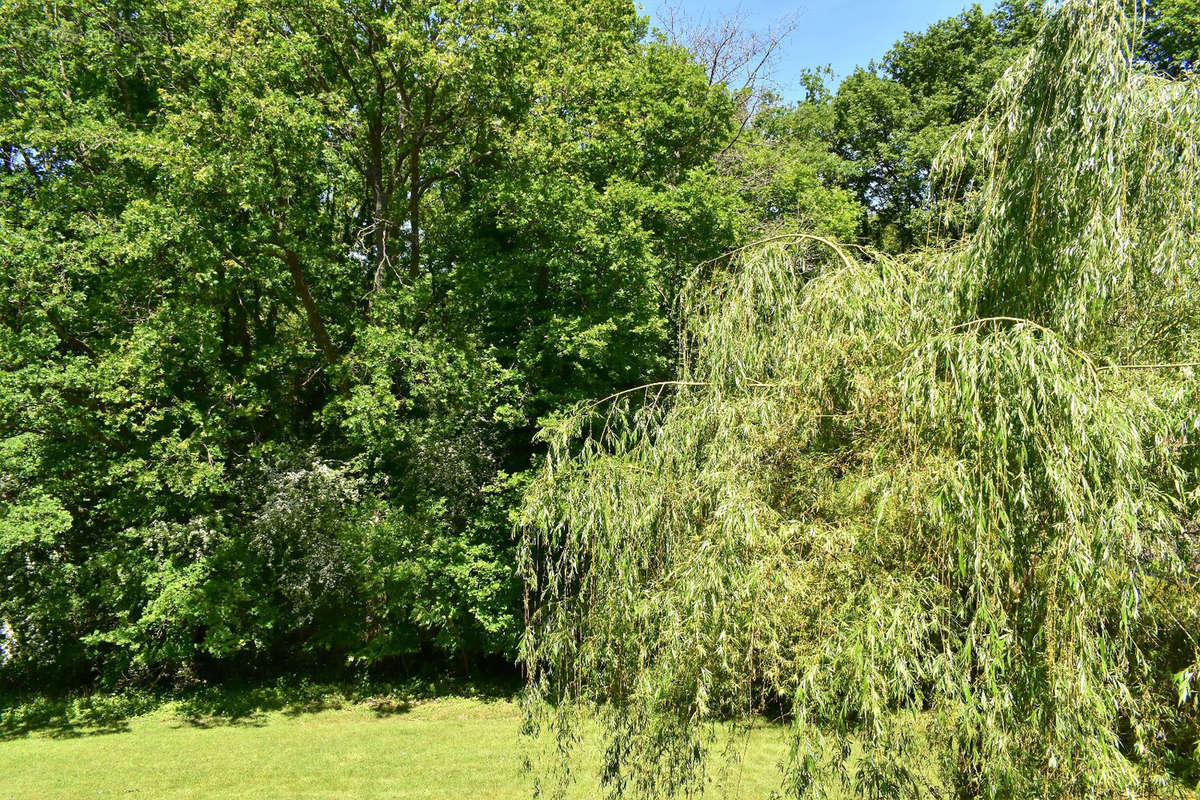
x,y
897,500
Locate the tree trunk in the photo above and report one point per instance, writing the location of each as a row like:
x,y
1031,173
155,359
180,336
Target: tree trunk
x,y
315,322
414,212
380,201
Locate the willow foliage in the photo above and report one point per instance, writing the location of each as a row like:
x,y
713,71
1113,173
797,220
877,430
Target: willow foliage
x,y
939,512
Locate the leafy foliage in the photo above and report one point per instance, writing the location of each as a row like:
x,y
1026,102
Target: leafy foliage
x,y
1171,37
892,118
944,504
286,286
785,168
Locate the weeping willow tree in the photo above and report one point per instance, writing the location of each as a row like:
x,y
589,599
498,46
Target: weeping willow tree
x,y
941,513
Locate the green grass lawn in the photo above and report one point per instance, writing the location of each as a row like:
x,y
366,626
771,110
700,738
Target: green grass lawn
x,y
445,748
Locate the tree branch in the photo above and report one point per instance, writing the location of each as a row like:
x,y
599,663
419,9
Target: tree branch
x,y
315,322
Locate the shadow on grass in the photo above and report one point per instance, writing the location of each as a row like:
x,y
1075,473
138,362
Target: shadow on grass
x,y
226,705
69,718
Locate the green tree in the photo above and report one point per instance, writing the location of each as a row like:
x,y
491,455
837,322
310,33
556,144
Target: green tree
x,y
1171,38
785,170
320,255
892,118
937,511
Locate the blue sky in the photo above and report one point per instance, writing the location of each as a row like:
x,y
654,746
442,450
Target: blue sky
x,y
842,33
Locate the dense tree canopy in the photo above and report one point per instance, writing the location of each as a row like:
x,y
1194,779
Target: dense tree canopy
x,y
893,117
286,286
788,173
1171,37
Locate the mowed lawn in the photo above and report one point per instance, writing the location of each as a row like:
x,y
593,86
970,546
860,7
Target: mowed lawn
x,y
446,748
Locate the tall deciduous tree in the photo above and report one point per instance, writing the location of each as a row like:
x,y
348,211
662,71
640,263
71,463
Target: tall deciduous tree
x,y
893,117
285,286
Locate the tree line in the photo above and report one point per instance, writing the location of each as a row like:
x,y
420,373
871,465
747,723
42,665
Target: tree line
x,y
289,286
